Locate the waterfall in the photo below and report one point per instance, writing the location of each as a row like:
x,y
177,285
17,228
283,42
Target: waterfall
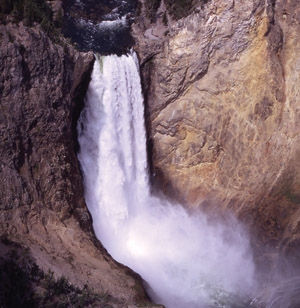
x,y
187,261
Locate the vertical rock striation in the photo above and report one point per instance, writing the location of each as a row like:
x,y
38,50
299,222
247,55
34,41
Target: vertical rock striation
x,y
42,86
222,92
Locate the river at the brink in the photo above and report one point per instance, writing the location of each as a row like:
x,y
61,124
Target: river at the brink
x,y
102,26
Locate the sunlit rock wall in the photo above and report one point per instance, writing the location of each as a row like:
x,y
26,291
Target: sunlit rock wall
x,y
222,95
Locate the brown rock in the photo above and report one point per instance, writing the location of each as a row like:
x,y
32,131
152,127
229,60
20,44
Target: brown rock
x,y
221,93
42,86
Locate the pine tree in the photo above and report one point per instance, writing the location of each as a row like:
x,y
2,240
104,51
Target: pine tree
x,y
28,13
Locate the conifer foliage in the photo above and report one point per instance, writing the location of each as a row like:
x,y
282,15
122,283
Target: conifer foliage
x,y
30,11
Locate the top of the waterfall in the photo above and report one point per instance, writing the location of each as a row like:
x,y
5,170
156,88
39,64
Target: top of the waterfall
x,y
100,26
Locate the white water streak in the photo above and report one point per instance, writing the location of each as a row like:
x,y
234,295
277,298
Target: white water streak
x,y
187,261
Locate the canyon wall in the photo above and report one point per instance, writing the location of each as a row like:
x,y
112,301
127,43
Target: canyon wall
x,y
222,96
42,86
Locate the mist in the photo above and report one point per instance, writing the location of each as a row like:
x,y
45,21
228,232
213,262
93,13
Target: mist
x,y
186,260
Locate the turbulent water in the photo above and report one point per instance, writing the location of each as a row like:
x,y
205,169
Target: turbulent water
x,y
187,261
102,26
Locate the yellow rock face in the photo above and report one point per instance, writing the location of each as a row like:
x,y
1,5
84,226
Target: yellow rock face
x,y
223,112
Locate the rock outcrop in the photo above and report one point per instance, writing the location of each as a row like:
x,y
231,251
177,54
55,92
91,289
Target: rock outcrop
x,y
222,92
42,206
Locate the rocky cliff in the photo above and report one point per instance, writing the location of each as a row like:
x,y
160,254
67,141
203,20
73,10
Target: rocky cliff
x,y
221,82
222,95
42,206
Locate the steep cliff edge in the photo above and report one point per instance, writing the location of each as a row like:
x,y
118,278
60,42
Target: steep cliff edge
x,y
222,87
41,198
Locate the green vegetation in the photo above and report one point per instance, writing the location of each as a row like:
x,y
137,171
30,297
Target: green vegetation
x,y
179,8
24,284
59,293
176,8
16,276
30,11
165,19
292,197
151,8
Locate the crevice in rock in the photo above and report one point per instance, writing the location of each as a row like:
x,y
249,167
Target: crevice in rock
x,y
145,82
78,97
25,69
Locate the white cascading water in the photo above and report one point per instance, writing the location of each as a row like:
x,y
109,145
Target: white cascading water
x,y
187,260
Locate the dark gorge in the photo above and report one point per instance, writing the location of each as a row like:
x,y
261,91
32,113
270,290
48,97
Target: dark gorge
x,y
219,224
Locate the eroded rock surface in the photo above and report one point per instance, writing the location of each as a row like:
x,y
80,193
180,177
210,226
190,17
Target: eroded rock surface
x,y
41,198
222,95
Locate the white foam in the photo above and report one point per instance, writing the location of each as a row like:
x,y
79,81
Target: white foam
x,y
187,260
103,25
